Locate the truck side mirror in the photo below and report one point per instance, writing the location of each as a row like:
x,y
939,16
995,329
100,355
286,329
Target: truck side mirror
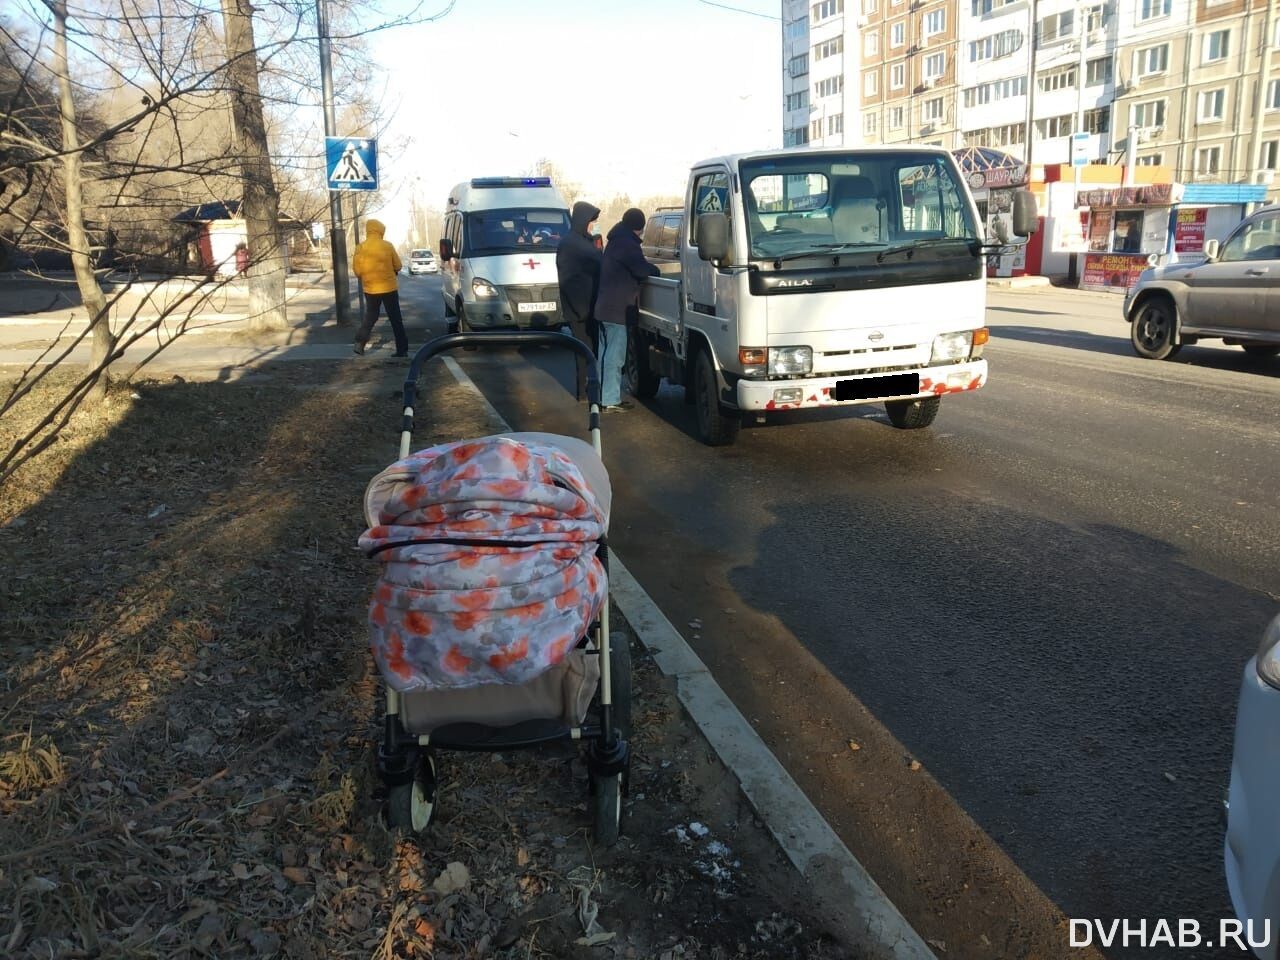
x,y
446,251
712,237
1211,250
1025,219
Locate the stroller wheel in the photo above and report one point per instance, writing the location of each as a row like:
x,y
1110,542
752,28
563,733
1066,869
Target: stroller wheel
x,y
412,805
606,796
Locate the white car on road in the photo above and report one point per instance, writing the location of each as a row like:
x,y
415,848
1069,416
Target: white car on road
x,y
1252,852
422,261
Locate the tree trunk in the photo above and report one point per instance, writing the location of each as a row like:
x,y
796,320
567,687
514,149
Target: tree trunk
x,y
261,203
95,302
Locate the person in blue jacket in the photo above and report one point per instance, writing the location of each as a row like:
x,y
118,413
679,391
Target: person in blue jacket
x,y
622,270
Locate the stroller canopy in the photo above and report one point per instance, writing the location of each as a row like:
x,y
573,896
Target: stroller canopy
x,y
488,553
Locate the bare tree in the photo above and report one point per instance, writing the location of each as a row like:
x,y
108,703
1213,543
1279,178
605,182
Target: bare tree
x,y
77,238
261,204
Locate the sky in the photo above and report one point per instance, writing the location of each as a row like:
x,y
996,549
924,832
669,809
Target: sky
x,y
623,95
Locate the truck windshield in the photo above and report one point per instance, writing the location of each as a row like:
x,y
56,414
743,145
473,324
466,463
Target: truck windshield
x,y
494,232
852,204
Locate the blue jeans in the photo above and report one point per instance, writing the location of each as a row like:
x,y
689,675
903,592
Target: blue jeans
x,y
613,354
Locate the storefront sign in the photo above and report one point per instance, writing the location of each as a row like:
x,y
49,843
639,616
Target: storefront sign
x,y
998,177
1151,195
1112,271
1068,235
1188,231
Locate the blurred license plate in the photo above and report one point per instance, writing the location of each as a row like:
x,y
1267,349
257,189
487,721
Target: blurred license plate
x,y
871,388
544,307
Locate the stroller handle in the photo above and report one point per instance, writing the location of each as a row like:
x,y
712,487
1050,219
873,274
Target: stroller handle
x,y
501,338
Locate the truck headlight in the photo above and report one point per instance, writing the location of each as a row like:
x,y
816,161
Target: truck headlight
x,y
483,288
949,347
1269,654
790,361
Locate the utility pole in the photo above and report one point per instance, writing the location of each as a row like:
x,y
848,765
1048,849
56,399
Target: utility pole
x,y
1264,77
1082,66
337,229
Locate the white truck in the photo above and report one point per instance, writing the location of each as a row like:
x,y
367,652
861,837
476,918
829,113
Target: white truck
x,y
818,278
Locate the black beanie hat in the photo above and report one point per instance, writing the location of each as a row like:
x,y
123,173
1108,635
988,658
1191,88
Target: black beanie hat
x,y
633,219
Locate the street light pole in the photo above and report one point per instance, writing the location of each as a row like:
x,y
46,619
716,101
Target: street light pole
x,y
337,228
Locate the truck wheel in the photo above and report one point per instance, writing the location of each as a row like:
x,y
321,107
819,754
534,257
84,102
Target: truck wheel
x,y
641,381
717,426
1154,329
912,414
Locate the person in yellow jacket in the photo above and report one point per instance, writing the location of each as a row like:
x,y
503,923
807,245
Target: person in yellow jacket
x,y
377,264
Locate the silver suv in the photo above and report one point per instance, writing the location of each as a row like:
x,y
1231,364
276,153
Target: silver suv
x,y
1233,295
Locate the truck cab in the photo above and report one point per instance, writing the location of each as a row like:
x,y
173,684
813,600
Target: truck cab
x,y
816,278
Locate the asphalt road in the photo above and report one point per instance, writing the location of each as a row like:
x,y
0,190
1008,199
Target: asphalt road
x,y
1045,602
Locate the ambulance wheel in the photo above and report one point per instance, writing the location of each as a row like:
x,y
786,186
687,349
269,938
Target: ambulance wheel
x,y
717,426
606,797
412,806
912,414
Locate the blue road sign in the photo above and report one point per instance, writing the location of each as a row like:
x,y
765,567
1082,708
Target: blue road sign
x,y
351,163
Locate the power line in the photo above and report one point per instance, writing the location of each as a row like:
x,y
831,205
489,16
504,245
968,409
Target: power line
x,y
752,13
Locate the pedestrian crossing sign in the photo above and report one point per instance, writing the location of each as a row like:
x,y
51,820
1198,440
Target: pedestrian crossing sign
x,y
351,163
711,200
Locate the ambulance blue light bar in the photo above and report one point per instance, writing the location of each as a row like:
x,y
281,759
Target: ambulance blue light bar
x,y
511,182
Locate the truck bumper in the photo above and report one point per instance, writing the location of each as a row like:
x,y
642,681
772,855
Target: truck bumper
x,y
860,387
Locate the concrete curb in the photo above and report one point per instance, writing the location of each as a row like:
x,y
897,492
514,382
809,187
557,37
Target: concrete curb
x,y
847,891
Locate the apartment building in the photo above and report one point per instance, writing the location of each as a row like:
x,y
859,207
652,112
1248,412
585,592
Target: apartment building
x,y
908,76
833,40
1198,80
795,73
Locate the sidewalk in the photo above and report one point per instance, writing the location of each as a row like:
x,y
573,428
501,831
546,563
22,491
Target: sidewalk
x,y
213,693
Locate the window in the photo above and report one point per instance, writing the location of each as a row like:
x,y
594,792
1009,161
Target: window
x,y
1217,46
1056,27
1097,72
829,87
1152,60
1008,135
798,101
1208,161
869,6
815,129
935,21
871,44
835,124
935,65
1098,120
828,48
870,83
983,7
897,76
995,46
798,66
1151,160
1270,149
931,110
1055,127
827,9
897,118
795,138
898,34
1212,104
1063,78
1148,114
711,193
1096,17
1128,231
870,124
1273,96
1258,239
1153,9
795,30
995,91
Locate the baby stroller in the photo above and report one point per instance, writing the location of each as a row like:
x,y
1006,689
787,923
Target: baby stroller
x,y
490,623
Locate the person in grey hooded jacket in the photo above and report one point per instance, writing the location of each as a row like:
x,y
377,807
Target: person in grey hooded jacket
x,y
578,273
